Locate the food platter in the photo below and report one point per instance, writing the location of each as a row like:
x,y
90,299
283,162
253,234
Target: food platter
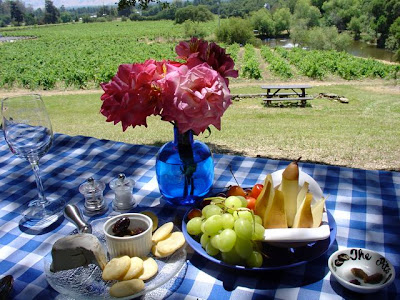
x,y
284,249
280,258
87,282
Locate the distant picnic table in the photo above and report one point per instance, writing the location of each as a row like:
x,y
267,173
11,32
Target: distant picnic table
x,y
286,93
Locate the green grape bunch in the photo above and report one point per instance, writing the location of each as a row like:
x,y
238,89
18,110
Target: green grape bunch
x,y
228,229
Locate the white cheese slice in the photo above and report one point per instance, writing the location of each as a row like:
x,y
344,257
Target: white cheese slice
x,y
77,250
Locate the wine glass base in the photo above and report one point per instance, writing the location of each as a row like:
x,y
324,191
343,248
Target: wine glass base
x,y
40,220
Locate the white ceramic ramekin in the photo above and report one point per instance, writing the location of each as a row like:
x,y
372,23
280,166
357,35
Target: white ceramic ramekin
x,y
138,245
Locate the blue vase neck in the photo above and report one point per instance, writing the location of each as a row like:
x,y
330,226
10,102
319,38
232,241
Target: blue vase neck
x,y
185,138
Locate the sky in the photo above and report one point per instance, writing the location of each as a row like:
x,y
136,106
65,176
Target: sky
x,y
69,3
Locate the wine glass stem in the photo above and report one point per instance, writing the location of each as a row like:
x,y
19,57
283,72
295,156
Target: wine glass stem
x,y
42,199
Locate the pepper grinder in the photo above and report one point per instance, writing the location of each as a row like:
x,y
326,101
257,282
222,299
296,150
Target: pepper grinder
x,y
122,187
92,190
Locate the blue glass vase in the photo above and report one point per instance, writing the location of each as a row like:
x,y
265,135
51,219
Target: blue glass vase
x,y
184,169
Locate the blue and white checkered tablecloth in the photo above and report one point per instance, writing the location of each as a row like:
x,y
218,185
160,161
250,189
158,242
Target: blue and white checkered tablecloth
x,y
365,205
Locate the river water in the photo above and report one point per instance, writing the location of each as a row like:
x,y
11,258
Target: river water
x,y
357,48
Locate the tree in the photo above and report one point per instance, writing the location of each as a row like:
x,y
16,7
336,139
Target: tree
x,y
16,12
51,13
193,13
355,26
304,10
236,30
393,40
340,12
282,19
263,22
385,12
30,19
143,4
66,17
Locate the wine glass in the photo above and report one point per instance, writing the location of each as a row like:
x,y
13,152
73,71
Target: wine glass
x,y
28,133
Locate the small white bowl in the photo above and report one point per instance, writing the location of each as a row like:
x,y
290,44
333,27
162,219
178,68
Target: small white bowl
x,y
341,262
138,245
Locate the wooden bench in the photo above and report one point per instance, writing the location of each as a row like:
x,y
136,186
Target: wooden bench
x,y
280,94
284,93
303,100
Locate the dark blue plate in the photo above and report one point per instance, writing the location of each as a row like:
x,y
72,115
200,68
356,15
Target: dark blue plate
x,y
279,258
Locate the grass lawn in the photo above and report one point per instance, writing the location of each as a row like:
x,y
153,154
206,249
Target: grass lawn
x,y
365,133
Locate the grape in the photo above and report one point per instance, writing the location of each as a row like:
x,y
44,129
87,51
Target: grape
x,y
245,214
255,260
243,228
232,203
226,226
227,240
194,226
215,241
202,227
211,250
243,200
213,224
258,233
258,219
244,248
211,210
231,257
227,221
204,240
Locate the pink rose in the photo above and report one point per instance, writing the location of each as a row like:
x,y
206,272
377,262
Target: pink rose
x,y
198,51
194,98
133,93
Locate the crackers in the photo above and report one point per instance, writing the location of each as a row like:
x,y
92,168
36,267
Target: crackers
x,y
162,232
131,272
116,268
126,288
135,269
169,245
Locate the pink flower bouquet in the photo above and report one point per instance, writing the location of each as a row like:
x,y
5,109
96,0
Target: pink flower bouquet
x,y
192,95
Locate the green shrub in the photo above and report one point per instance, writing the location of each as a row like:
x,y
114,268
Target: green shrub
x,y
322,38
136,17
198,13
192,29
235,30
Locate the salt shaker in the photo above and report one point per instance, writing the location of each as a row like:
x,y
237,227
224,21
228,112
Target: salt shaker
x,y
93,190
122,187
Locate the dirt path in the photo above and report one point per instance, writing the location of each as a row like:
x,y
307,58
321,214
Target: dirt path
x,y
371,85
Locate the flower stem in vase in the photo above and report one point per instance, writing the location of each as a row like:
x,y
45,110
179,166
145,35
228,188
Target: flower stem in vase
x,y
184,169
185,150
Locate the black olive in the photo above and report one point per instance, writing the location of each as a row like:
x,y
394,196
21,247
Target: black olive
x,y
121,226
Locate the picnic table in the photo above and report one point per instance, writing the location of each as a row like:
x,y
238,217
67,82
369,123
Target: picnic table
x,y
364,204
287,93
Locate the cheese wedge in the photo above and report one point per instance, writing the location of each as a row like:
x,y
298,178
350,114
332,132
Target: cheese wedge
x,y
77,250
